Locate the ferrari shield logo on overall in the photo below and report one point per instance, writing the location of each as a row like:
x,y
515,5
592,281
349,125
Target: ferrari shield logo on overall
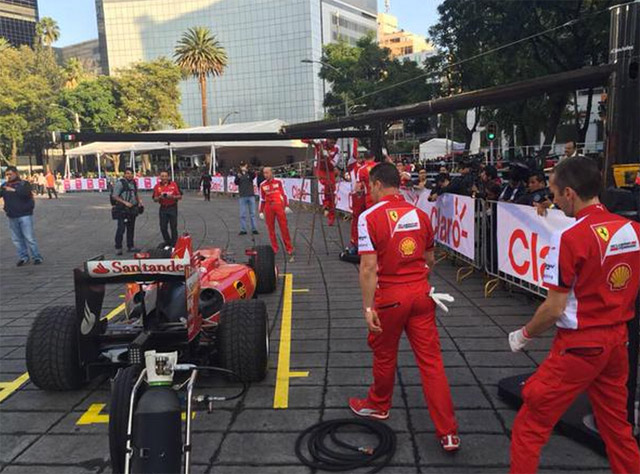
x,y
393,215
603,232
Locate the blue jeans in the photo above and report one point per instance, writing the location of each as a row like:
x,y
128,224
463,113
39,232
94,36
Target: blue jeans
x,y
22,237
250,204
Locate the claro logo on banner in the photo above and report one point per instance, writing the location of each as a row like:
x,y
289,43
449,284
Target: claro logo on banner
x,y
523,240
452,219
295,191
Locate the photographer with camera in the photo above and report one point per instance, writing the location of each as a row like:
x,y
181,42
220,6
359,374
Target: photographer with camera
x,y
126,207
167,193
244,181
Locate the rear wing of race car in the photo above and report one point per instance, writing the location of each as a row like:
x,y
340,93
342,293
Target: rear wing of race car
x,y
137,270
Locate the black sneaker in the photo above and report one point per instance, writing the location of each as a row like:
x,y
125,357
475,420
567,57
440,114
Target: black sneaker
x,y
118,251
38,261
22,263
255,232
133,250
242,232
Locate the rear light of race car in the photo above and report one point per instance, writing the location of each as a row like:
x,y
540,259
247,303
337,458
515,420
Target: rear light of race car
x,y
251,252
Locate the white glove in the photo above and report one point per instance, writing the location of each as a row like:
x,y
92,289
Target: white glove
x,y
287,210
261,215
441,298
517,340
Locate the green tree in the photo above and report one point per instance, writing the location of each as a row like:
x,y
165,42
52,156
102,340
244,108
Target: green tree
x,y
147,96
47,31
199,54
468,29
92,100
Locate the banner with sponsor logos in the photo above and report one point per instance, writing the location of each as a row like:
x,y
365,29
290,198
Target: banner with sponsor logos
x,y
147,182
343,195
217,184
293,187
84,184
523,239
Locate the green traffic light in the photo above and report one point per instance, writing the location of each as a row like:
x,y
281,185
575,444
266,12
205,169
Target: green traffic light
x,y
492,136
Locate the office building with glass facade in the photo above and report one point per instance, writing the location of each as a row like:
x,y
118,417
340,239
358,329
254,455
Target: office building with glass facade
x,y
265,40
18,20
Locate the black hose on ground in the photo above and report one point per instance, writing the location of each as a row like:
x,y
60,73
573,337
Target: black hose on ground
x,y
326,451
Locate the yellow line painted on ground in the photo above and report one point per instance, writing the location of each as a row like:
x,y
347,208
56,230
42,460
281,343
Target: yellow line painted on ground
x,y
284,373
94,415
301,290
7,388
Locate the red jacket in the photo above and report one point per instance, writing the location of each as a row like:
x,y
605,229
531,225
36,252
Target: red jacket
x,y
272,192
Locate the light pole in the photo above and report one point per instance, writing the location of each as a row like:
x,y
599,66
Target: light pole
x,y
345,98
223,120
75,115
64,151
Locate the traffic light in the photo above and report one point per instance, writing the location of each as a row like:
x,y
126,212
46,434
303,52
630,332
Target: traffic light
x,y
492,131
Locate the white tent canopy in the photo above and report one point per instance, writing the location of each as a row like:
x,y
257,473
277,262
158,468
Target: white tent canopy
x,y
267,126
439,147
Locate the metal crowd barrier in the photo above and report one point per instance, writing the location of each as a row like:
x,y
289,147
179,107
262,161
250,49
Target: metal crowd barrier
x,y
490,257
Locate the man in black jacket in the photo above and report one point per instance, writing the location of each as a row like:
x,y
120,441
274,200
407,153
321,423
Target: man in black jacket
x,y
19,205
244,181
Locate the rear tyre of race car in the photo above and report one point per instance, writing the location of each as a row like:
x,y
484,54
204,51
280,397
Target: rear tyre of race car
x,y
52,350
264,264
243,337
121,387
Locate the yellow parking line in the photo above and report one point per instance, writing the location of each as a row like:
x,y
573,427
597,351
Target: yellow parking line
x,y
94,415
7,388
284,373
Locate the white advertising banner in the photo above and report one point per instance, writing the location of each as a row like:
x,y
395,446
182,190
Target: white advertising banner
x,y
84,184
217,184
343,195
523,239
455,217
147,182
231,185
295,191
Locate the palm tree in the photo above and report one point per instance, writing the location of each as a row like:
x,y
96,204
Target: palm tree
x,y
73,73
47,31
199,54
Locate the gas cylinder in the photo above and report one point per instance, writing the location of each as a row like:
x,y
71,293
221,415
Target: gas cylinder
x,y
157,432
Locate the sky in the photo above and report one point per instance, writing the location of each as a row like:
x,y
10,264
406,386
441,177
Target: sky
x,y
77,18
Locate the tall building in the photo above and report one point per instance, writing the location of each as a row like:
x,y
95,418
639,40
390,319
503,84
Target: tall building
x,y
400,42
87,52
266,42
18,20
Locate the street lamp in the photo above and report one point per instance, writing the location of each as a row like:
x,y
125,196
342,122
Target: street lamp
x,y
222,121
75,115
345,98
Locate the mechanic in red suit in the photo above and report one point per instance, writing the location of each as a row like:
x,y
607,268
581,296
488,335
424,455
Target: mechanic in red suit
x,y
358,195
274,205
395,243
325,169
592,273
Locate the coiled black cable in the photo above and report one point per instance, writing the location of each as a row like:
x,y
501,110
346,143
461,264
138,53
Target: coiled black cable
x,y
326,451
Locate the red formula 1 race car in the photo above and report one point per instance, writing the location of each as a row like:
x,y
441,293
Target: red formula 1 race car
x,y
192,302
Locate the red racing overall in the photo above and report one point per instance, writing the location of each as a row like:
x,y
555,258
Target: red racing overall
x,y
273,201
400,234
596,261
357,201
327,157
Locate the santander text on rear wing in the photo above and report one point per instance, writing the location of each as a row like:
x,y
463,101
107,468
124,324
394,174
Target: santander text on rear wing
x,y
138,269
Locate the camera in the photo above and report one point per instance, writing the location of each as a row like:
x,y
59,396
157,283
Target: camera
x,y
165,195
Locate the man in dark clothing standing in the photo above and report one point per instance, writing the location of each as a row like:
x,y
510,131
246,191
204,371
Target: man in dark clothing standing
x,y
536,191
205,181
128,206
167,193
244,181
19,205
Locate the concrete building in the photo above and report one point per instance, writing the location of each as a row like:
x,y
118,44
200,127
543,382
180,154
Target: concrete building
x,y
87,52
265,40
18,20
400,42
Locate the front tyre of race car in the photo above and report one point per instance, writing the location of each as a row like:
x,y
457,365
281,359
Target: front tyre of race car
x,y
52,350
264,264
243,338
121,387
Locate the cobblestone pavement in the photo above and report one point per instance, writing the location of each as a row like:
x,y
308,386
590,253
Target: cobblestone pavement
x,y
40,431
